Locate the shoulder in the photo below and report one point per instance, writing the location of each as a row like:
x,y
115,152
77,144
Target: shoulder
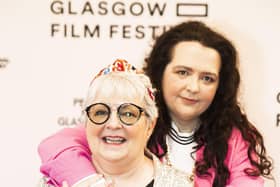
x,y
235,133
236,139
237,155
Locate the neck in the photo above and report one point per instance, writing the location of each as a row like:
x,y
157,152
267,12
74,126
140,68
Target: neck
x,y
186,125
126,172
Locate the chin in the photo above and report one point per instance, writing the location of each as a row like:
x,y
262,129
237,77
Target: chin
x,y
113,156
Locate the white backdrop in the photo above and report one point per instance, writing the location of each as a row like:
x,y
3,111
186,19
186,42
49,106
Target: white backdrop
x,y
49,51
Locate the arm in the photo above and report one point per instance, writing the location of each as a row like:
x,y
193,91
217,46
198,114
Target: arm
x,y
238,160
66,157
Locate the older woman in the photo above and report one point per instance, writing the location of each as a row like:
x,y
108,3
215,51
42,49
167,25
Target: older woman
x,y
120,117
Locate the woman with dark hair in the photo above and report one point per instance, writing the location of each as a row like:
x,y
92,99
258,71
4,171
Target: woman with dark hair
x,y
201,128
221,122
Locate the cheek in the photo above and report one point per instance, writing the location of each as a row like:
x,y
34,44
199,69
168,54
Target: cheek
x,y
209,94
90,128
166,81
92,132
169,84
140,135
171,90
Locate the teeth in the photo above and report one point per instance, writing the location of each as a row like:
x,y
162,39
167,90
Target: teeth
x,y
114,140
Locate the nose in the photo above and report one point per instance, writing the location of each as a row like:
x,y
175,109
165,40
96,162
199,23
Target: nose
x,y
113,121
192,84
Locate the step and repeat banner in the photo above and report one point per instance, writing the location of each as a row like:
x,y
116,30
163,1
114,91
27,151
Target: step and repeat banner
x,y
51,49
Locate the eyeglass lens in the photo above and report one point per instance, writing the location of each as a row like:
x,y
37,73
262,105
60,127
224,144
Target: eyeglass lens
x,y
128,113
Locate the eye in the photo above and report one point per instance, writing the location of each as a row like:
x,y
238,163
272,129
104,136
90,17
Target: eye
x,y
208,79
128,114
182,73
100,113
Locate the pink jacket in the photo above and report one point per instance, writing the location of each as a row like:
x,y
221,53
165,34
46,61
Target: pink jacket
x,y
66,157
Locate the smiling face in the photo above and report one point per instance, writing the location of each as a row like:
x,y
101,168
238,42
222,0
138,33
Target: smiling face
x,y
190,80
114,141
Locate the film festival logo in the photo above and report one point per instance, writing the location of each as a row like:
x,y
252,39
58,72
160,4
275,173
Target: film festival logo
x,y
278,115
72,120
3,62
97,11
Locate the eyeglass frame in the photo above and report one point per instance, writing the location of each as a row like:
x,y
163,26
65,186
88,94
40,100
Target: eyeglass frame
x,y
141,110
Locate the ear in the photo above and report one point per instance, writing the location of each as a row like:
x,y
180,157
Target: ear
x,y
151,127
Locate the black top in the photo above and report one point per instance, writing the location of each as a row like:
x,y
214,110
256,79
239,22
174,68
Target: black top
x,y
151,184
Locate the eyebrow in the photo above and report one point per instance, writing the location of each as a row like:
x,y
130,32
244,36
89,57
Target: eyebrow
x,y
191,69
211,74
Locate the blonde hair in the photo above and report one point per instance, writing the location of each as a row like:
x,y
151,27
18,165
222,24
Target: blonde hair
x,y
125,85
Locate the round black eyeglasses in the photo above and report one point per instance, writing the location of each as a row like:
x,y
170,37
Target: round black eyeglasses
x,y
128,113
